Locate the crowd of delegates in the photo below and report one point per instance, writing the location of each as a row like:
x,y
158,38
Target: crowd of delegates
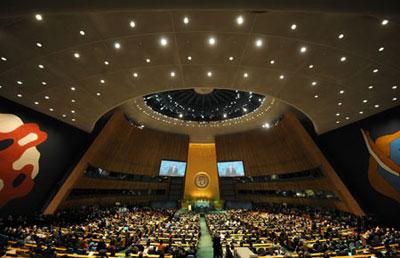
x,y
105,232
282,230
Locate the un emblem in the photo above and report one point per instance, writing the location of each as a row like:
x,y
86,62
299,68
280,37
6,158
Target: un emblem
x,y
201,180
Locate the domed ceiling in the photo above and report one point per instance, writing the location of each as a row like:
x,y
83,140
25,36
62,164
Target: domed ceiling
x,y
335,67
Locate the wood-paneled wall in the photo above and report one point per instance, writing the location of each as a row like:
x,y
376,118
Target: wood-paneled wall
x,y
121,147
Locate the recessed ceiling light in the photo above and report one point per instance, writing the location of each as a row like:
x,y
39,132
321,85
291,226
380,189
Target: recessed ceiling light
x,y
339,104
38,44
225,115
46,97
185,20
102,81
293,26
106,63
189,58
381,49
82,33
73,111
73,101
340,36
343,59
44,83
180,115
239,20
244,109
314,83
272,61
376,106
347,118
163,42
370,87
338,122
212,41
361,112
64,115
394,99
316,96
384,22
73,119
51,109
73,88
132,24
341,92
41,66
259,43
281,76
231,58
3,59
135,75
209,74
148,60
303,49
375,70
365,101
19,95
38,17
36,103
337,114
98,93
77,55
19,82
394,87
172,74
311,66
245,75
117,45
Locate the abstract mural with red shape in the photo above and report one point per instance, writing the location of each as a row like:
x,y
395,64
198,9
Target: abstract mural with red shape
x,y
19,157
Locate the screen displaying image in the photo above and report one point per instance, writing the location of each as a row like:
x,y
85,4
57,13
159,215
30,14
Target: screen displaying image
x,y
172,168
230,168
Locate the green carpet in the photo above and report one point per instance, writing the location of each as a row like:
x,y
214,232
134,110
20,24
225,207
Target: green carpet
x,y
205,249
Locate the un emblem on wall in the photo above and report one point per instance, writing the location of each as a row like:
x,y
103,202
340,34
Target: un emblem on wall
x,y
201,180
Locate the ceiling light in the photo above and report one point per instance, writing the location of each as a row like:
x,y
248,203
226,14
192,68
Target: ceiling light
x,y
381,49
370,87
19,82
338,122
180,115
77,55
51,109
281,77
19,95
341,92
73,101
244,109
46,97
347,118
361,112
132,24
41,66
117,45
376,106
64,115
172,74
98,93
293,26
163,42
189,58
375,70
38,17
3,59
339,104
73,119
303,49
394,87
314,83
102,81
337,114
341,35
311,66
44,83
72,88
231,58
211,41
259,43
394,99
385,22
106,63
147,60
36,103
343,58
272,61
135,75
245,75
239,20
316,96
82,32
38,44
266,125
209,74
225,115
365,101
185,20
73,111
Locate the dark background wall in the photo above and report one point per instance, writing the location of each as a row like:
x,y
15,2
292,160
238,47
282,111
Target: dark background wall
x,y
346,151
59,153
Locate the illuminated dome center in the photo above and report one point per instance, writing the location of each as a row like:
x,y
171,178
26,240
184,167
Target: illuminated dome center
x,y
204,104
